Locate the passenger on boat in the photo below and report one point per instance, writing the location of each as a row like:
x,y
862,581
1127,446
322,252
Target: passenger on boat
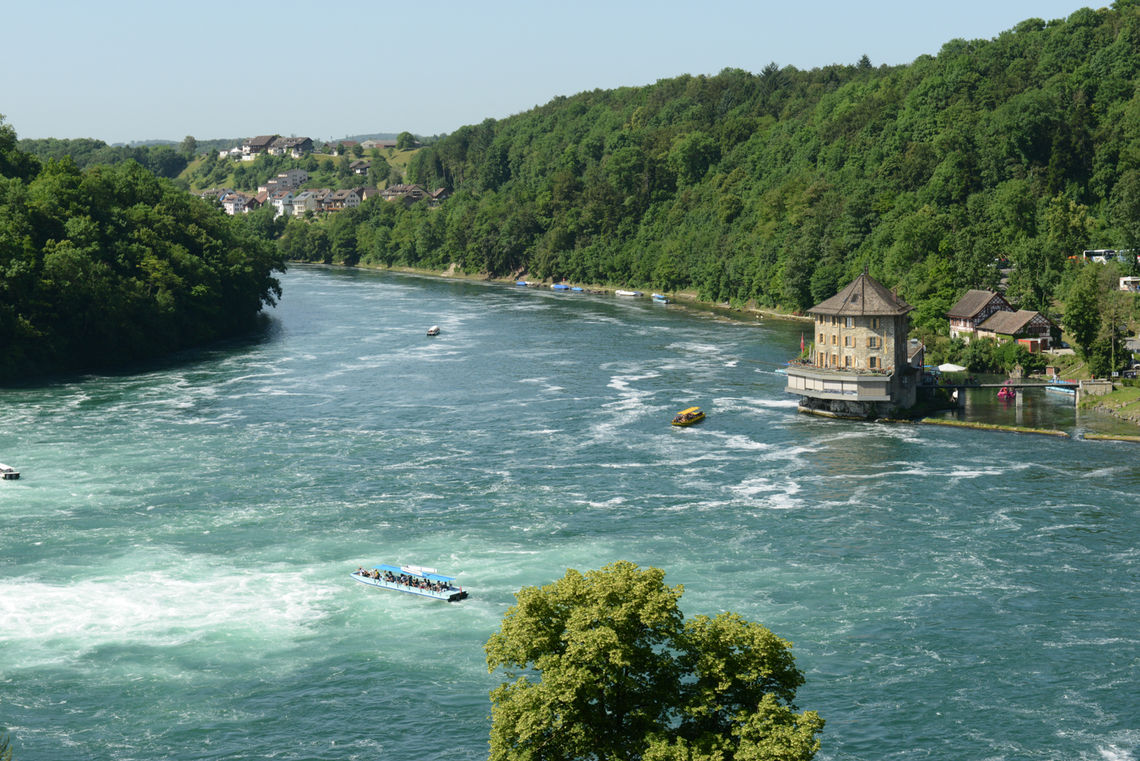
x,y
403,580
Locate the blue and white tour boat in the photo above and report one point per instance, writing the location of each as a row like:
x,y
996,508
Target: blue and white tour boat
x,y
412,580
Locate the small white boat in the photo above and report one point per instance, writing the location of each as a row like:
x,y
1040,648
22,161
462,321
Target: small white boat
x,y
8,473
660,298
620,292
433,330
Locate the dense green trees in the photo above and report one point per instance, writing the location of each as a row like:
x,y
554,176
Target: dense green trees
x,y
1096,314
111,264
163,160
405,141
603,665
776,187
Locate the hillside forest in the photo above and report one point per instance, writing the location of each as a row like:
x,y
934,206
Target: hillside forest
x,y
993,163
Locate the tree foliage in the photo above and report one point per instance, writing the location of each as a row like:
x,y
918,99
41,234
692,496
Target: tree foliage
x,y
112,264
1096,313
603,665
405,141
160,158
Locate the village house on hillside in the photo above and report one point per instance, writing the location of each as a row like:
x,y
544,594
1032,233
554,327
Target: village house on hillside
x,y
239,203
1032,330
986,314
297,147
254,146
343,199
282,201
288,180
861,364
274,145
972,310
407,193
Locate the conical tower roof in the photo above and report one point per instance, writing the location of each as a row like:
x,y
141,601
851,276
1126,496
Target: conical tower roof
x,y
864,296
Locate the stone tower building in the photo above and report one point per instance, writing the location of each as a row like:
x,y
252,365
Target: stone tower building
x,y
861,363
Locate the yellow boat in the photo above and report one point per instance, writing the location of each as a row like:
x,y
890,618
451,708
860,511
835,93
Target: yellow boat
x,y
689,417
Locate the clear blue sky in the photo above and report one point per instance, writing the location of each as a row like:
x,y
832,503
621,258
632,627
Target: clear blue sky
x,y
123,70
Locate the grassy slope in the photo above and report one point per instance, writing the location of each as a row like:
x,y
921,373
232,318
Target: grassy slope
x,y
395,158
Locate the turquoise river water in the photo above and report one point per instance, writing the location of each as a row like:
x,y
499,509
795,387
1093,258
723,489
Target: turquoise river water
x,y
175,560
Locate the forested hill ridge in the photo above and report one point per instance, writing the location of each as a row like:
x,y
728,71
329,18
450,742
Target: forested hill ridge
x,y
777,188
111,264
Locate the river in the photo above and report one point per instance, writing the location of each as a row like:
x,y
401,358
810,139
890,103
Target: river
x,y
174,562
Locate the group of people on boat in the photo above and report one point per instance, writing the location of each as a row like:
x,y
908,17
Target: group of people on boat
x,y
416,582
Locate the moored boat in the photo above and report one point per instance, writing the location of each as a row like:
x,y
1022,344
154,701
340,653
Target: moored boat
x,y
433,330
689,416
660,298
1056,388
621,292
412,580
560,287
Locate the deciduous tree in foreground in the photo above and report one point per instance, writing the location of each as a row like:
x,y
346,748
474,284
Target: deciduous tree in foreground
x,y
602,665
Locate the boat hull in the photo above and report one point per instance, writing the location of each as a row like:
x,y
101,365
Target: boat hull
x,y
450,595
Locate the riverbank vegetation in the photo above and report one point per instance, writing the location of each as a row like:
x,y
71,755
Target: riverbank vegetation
x,y
112,264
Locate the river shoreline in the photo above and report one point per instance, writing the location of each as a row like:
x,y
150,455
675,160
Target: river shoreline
x,y
683,299
689,300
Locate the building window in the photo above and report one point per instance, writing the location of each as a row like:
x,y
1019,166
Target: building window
x,y
874,342
821,341
873,362
834,339
835,360
847,360
849,322
874,323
